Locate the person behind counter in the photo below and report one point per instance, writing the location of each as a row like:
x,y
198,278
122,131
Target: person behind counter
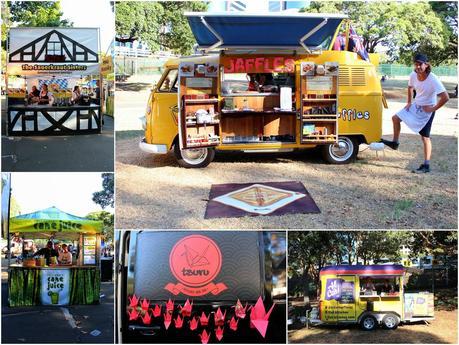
x,y
47,252
45,97
76,95
65,257
34,95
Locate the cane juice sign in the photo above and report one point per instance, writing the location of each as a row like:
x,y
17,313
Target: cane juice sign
x,y
55,287
195,261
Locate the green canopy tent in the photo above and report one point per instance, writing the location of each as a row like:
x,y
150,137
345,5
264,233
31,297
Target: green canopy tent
x,y
52,222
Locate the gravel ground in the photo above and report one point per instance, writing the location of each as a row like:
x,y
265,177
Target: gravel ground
x,y
153,192
442,330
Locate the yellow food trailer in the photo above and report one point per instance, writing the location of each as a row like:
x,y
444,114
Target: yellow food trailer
x,y
370,295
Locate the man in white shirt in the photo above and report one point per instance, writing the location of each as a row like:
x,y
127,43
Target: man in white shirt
x,y
419,114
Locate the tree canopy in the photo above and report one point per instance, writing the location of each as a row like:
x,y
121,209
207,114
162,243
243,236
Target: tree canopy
x,y
161,25
108,220
401,27
37,13
105,197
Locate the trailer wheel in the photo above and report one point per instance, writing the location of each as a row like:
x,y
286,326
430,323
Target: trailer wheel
x,y
368,323
390,321
194,158
342,152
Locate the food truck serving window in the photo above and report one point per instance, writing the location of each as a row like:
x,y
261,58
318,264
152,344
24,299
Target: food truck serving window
x,y
207,266
379,285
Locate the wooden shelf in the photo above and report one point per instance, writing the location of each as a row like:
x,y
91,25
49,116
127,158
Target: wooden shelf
x,y
257,112
319,120
202,124
319,99
315,116
201,101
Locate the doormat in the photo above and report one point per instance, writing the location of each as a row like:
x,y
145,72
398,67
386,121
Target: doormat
x,y
259,199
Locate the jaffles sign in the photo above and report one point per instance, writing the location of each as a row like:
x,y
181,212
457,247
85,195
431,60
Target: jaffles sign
x,y
266,64
195,261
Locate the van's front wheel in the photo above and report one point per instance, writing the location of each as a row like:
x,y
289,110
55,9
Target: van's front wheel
x,y
342,152
194,158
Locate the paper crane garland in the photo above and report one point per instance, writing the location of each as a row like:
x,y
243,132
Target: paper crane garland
x,y
259,317
139,309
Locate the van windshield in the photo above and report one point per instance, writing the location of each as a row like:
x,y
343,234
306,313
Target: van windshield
x,y
237,83
169,83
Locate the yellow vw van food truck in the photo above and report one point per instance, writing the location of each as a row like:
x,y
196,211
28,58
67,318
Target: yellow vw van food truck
x,y
370,295
265,83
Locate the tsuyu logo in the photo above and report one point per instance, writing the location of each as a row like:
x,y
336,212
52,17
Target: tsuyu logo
x,y
195,261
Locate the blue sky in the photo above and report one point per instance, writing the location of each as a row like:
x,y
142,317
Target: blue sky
x,y
70,192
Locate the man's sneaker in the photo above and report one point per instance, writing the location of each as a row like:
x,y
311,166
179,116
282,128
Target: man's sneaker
x,y
392,144
422,169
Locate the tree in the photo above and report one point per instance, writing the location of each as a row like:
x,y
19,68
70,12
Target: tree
x,y
37,13
391,25
161,25
108,226
105,197
433,243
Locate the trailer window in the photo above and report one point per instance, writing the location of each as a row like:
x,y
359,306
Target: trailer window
x,y
379,286
169,83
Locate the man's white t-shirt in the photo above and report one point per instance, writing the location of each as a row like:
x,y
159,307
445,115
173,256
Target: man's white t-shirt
x,y
426,90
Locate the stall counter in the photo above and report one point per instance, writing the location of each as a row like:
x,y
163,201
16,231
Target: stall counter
x,y
56,285
47,119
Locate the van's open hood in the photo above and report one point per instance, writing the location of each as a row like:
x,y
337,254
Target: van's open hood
x,y
309,31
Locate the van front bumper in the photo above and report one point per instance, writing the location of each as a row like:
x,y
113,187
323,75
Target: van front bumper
x,y
152,148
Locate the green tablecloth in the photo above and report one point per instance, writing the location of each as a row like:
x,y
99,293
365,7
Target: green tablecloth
x,y
24,285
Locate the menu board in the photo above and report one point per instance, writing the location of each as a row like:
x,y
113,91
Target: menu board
x,y
89,250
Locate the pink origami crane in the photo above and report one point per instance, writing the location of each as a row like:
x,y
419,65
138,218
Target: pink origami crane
x,y
178,322
219,317
204,319
133,301
219,333
194,324
233,324
145,304
156,311
146,318
186,309
133,314
259,317
239,309
167,320
170,305
204,337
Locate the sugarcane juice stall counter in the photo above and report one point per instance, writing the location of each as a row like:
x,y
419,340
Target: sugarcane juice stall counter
x,y
40,282
53,285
